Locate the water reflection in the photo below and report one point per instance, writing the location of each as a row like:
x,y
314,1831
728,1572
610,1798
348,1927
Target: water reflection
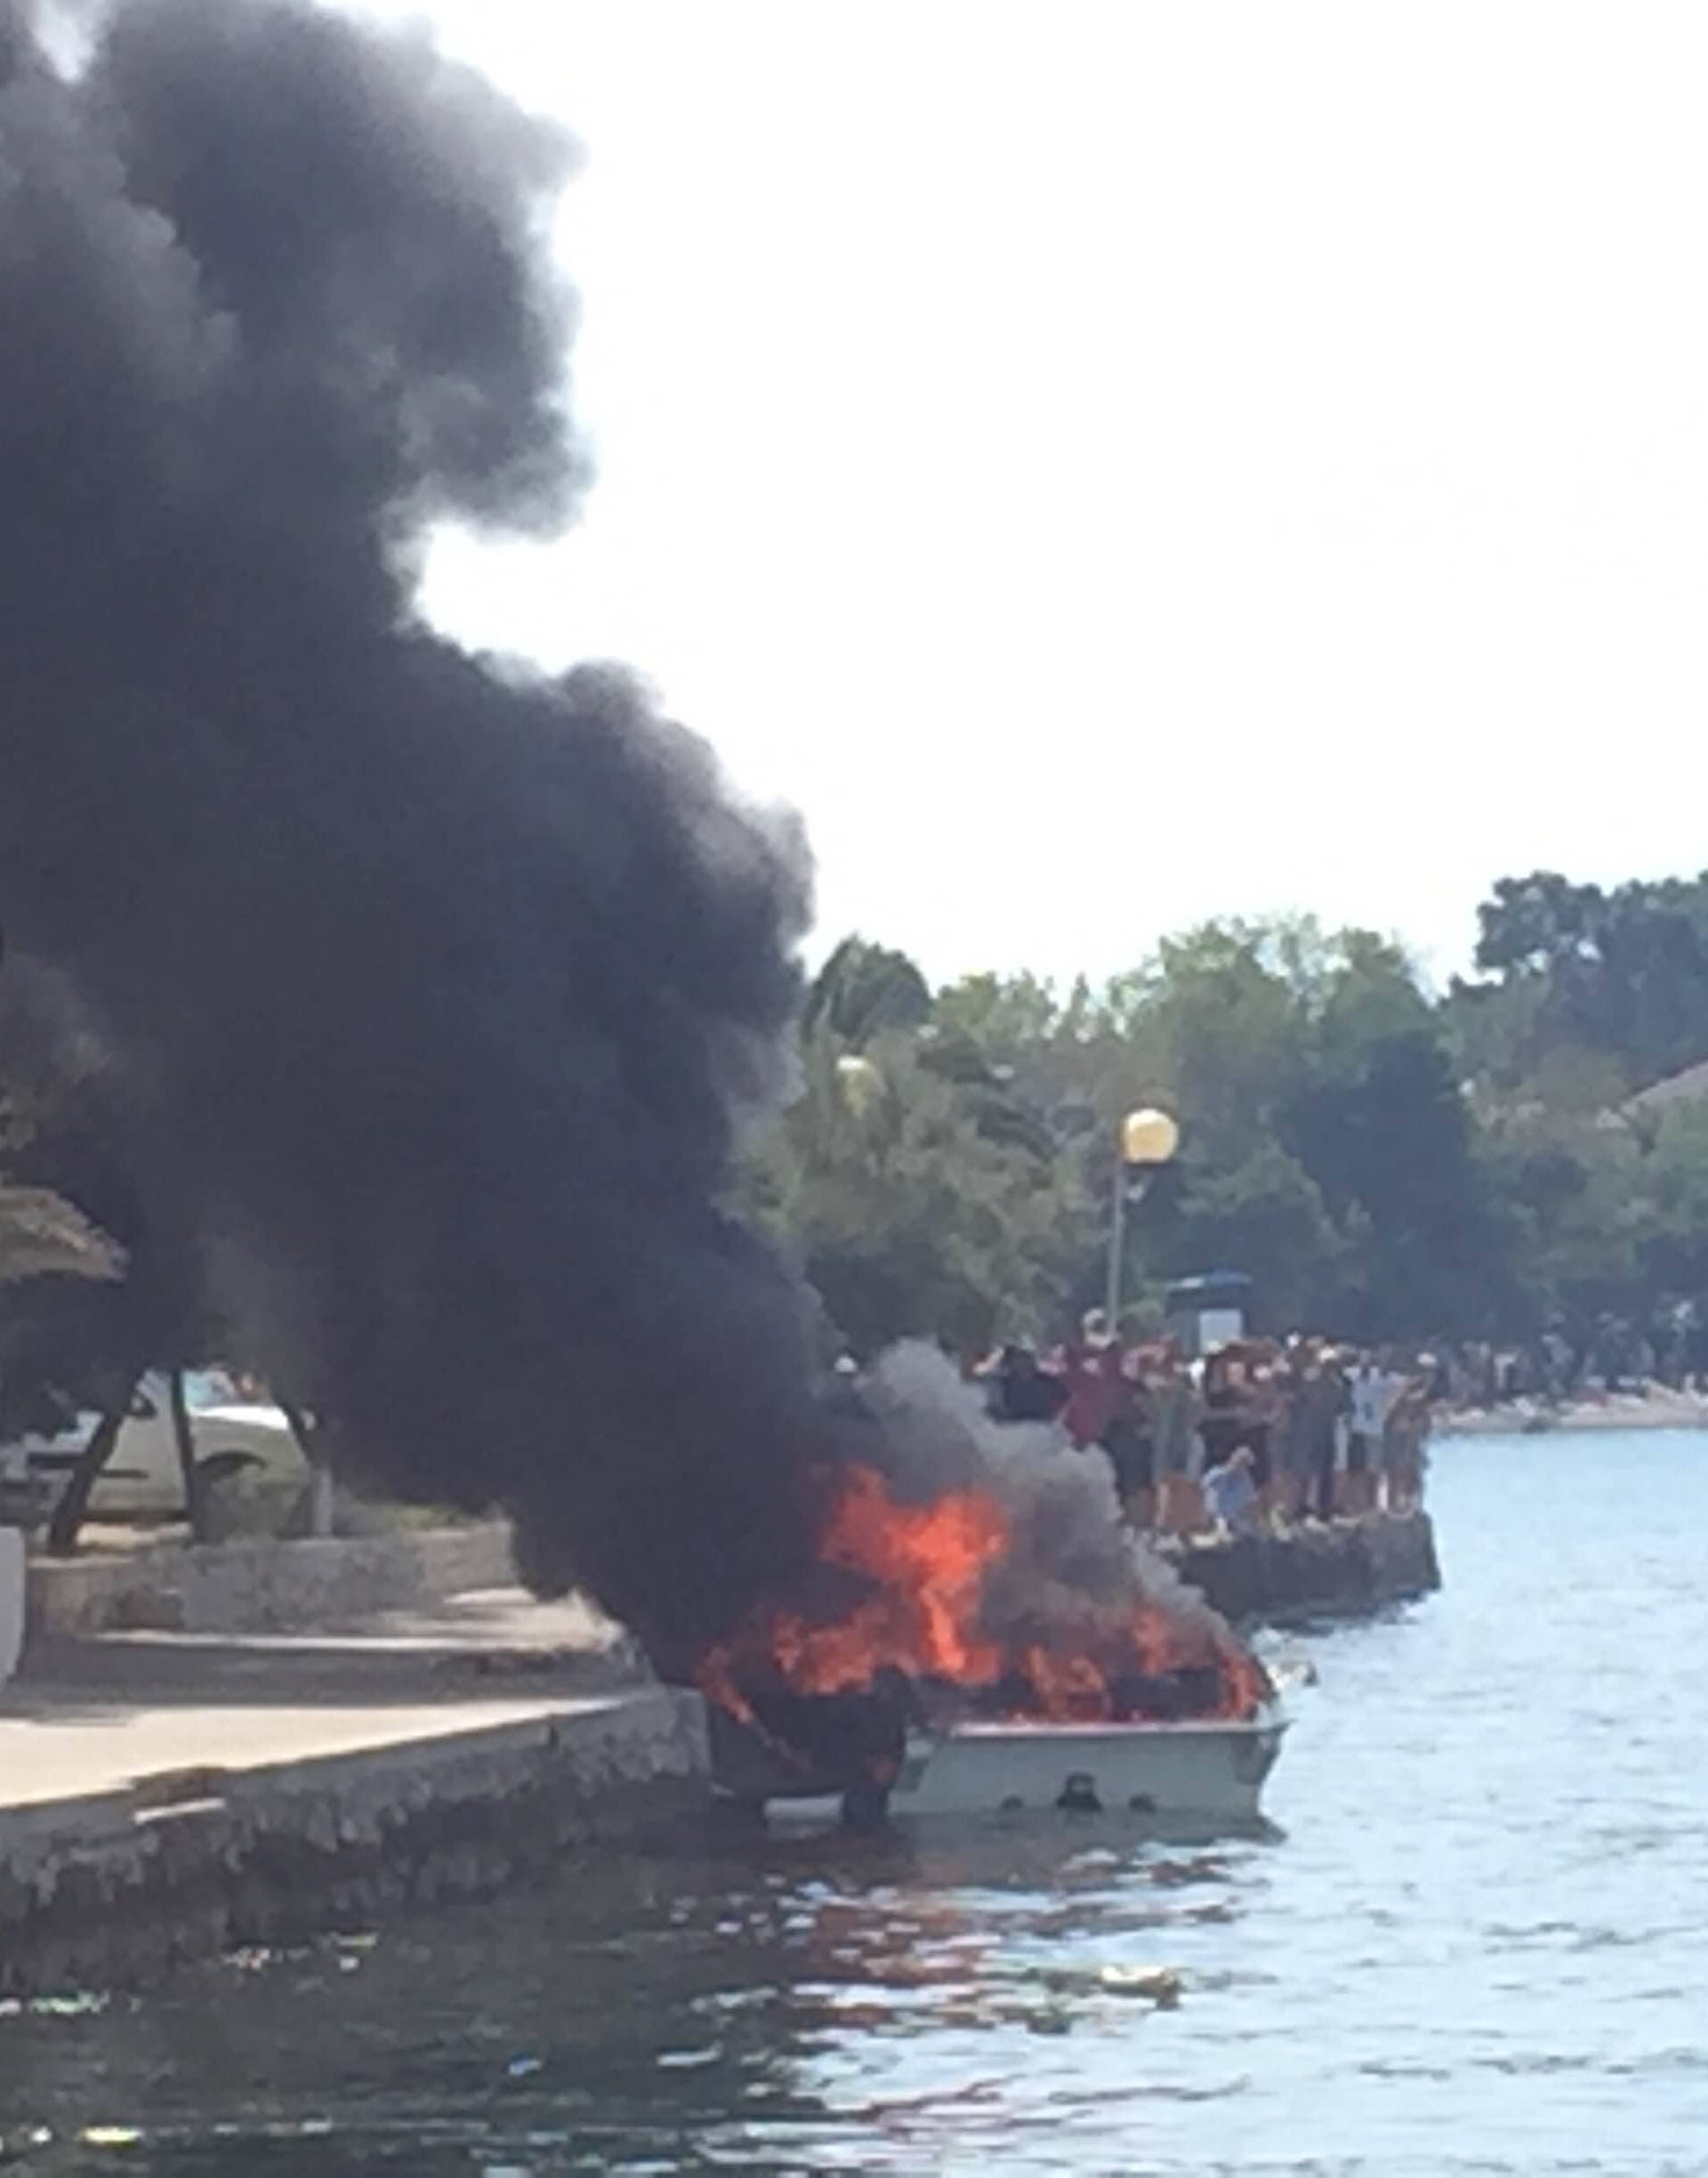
x,y
667,2015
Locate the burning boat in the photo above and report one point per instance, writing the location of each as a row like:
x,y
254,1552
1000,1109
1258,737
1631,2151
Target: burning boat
x,y
993,1643
1184,1770
1193,1771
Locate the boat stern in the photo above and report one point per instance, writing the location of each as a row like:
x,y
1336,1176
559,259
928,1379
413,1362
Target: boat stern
x,y
1210,1770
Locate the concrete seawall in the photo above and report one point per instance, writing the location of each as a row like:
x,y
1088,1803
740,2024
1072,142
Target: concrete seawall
x,y
118,1888
1337,1570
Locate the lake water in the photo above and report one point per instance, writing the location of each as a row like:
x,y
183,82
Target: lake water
x,y
1480,1945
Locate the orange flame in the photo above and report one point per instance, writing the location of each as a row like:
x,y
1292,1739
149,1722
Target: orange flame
x,y
925,1566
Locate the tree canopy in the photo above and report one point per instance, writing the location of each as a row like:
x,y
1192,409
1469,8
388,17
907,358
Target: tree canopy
x,y
1381,1160
1569,969
1378,1158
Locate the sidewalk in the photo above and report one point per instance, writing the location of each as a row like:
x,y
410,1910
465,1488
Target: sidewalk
x,y
99,1713
168,1796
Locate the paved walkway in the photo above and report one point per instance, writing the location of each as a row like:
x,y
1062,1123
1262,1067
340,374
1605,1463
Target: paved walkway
x,y
98,1714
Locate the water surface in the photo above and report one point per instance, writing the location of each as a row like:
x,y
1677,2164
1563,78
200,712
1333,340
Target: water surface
x,y
1480,1945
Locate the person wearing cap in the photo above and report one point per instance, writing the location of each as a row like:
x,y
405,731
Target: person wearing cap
x,y
1093,1379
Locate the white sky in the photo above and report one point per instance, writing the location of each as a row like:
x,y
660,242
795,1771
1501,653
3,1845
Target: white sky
x,y
1113,463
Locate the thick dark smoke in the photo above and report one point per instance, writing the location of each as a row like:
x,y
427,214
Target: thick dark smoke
x,y
437,991
433,993
1071,1561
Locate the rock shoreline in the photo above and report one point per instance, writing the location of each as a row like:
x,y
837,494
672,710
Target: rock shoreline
x,y
1656,1409
1343,1568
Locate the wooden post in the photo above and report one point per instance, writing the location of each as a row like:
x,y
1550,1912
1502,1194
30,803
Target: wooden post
x,y
195,1497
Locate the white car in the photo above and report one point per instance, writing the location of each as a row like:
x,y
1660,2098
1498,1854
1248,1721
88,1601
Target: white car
x,y
233,1439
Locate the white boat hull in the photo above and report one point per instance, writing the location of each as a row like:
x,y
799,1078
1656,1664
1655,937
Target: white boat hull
x,y
1197,1770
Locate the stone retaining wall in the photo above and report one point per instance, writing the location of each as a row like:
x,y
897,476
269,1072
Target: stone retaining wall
x,y
117,1891
1320,1571
266,1587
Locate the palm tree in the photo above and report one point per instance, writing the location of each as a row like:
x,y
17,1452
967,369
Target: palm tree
x,y
43,1236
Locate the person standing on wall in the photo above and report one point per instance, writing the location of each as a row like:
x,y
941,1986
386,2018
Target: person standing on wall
x,y
1020,1389
1264,1422
1175,1412
1319,1404
1372,1390
1129,1438
1403,1454
1092,1371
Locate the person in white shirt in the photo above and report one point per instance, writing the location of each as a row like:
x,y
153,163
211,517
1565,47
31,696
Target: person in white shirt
x,y
1374,1389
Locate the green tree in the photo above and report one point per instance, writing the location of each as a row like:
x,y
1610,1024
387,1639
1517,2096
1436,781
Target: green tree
x,y
902,1210
43,1236
1670,1220
1264,1215
1328,1150
1219,1021
1379,1119
866,990
1570,1185
1571,967
98,1293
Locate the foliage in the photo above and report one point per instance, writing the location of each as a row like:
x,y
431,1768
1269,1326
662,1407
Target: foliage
x,y
43,1236
98,1295
1622,974
865,991
1377,1159
907,1213
1670,1213
1265,1215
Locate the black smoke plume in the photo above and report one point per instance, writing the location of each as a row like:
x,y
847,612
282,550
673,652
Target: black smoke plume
x,y
436,990
432,994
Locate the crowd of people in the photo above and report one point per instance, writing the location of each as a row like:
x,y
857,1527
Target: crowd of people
x,y
1609,1355
1256,1434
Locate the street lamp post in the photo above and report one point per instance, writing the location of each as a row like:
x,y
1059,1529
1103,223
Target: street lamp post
x,y
1148,1139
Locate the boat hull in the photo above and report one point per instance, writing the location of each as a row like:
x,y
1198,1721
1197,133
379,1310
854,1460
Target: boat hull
x,y
1196,1771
